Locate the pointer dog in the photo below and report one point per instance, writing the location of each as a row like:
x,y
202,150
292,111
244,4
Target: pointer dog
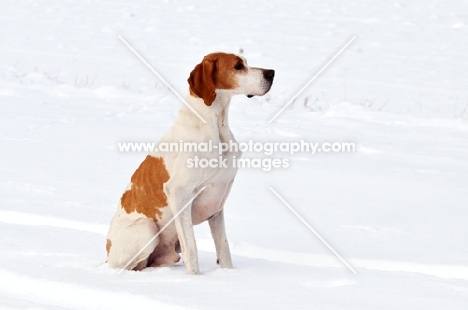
x,y
164,184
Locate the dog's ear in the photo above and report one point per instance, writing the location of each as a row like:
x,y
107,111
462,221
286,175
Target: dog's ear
x,y
202,80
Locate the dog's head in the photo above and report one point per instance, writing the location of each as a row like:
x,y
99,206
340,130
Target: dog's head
x,y
228,72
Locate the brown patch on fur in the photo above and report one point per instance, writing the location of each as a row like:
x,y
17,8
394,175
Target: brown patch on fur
x,y
146,194
216,71
108,246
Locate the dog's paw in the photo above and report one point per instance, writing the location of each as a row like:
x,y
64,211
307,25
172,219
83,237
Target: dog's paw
x,y
193,272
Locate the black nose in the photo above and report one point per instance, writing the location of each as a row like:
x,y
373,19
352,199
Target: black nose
x,y
269,74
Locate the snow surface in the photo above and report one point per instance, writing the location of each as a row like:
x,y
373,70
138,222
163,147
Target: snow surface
x,y
396,210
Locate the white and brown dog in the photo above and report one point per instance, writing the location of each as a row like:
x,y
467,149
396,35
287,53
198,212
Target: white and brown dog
x,y
164,184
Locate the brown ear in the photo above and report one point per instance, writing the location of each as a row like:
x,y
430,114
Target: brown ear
x,y
201,81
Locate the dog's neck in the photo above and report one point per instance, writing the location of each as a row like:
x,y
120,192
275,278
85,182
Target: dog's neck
x,y
221,107
215,115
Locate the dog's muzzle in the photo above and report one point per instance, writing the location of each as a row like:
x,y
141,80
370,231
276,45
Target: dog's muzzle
x,y
268,75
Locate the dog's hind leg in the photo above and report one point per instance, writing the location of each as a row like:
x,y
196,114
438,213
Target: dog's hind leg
x,y
131,242
165,253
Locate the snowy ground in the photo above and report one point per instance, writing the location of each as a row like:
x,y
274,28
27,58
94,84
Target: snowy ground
x,y
396,209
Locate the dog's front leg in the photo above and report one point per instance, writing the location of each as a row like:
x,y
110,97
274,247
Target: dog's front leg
x,y
218,232
219,235
183,222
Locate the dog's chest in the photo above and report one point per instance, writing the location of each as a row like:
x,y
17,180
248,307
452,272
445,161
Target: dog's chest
x,y
210,201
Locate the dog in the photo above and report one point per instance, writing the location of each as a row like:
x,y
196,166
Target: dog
x,y
164,184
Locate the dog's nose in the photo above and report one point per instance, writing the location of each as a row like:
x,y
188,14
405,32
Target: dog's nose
x,y
269,74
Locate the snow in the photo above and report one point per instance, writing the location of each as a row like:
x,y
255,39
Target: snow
x,y
395,209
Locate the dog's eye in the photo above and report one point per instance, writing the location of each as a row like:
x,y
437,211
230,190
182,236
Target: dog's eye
x,y
239,66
